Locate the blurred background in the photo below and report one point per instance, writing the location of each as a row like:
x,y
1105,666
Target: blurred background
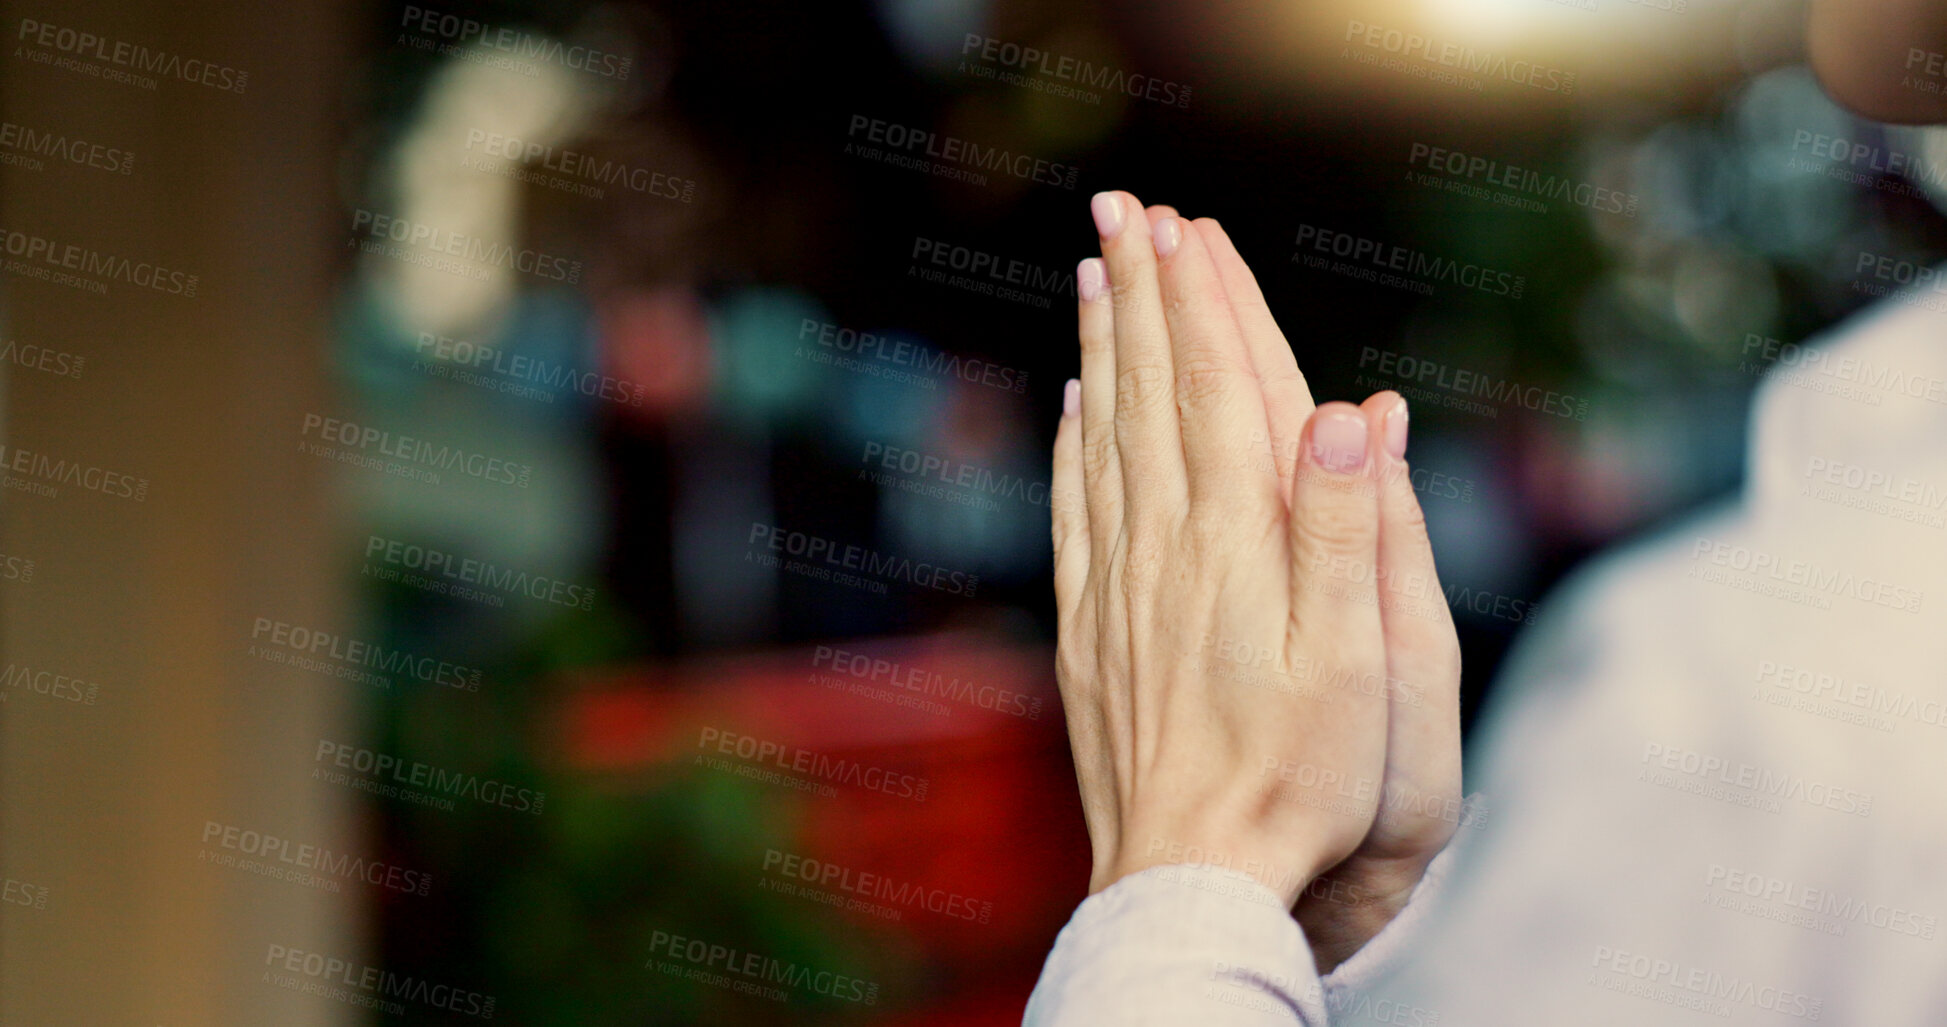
x,y
538,512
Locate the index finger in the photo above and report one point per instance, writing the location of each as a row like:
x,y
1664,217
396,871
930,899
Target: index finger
x,y
1287,396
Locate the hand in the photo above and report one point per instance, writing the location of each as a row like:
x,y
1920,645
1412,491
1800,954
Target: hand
x,y
1184,547
1420,806
1421,779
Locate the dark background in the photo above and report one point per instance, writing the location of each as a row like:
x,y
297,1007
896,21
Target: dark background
x,y
754,102
561,910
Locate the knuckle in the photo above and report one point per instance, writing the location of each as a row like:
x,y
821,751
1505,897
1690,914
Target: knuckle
x,y
1064,531
1407,516
1336,529
1285,378
1096,334
1129,303
1128,276
1098,456
1200,294
1134,312
1141,388
1202,380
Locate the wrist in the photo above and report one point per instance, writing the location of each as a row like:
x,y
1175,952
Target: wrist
x,y
1237,864
1348,905
1234,883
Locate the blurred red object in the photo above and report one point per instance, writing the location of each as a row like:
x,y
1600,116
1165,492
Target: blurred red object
x,y
660,340
977,718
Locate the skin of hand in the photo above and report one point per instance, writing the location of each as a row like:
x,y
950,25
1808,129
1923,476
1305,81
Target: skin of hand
x,y
1420,803
1223,604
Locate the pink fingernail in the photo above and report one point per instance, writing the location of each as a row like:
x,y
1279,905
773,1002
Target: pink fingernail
x,y
1339,440
1169,232
1090,278
1109,215
1396,430
1071,398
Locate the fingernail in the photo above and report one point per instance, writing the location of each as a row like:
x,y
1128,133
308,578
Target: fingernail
x,y
1109,215
1071,398
1339,440
1090,277
1169,232
1396,430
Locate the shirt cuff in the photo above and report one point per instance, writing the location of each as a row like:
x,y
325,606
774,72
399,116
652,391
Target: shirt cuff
x,y
1179,944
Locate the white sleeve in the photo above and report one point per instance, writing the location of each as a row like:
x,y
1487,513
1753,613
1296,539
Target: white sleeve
x,y
1202,945
1178,945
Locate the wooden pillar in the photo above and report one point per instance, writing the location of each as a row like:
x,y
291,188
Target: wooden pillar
x,y
103,806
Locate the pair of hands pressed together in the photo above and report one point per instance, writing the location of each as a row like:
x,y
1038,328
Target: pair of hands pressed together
x,y
1257,666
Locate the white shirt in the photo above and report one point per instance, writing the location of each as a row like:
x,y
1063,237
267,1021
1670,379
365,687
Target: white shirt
x,y
1718,770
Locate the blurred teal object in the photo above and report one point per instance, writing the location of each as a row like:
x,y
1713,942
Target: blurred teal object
x,y
762,377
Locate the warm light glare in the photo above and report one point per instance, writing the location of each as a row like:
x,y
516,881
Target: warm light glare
x,y
477,112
